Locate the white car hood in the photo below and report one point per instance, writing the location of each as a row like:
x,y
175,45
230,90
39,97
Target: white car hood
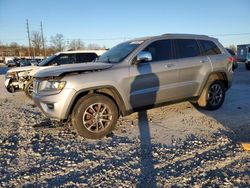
x,y
31,69
81,67
19,69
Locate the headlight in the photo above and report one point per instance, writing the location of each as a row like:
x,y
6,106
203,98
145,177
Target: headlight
x,y
52,85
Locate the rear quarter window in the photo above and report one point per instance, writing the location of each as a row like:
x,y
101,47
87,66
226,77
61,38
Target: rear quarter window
x,y
209,47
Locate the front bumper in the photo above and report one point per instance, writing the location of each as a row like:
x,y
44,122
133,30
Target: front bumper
x,y
55,106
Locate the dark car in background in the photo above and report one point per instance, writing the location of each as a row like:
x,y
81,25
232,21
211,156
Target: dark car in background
x,y
232,53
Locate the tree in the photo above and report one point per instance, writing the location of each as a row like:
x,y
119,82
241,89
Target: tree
x,y
57,42
93,46
14,47
77,44
36,41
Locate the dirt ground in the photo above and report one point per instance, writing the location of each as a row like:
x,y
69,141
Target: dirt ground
x,y
176,145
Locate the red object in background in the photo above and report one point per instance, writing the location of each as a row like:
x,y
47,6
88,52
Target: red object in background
x,y
231,59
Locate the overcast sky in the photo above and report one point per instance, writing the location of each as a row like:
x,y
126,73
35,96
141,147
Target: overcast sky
x,y
112,21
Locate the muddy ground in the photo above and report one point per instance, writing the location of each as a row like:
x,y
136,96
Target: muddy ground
x,y
176,145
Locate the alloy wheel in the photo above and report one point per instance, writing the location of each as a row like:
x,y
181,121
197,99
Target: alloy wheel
x,y
97,117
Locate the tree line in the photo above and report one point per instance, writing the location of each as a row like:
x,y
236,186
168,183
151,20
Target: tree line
x,y
57,43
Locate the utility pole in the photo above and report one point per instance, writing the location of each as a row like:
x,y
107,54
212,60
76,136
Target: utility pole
x,y
44,50
28,31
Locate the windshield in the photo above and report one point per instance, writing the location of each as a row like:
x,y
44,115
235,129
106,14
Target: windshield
x,y
119,52
46,61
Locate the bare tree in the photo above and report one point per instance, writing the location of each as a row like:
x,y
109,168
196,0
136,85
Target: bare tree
x,y
57,42
36,41
232,47
93,46
77,44
15,48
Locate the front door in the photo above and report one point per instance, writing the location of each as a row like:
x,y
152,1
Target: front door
x,y
155,81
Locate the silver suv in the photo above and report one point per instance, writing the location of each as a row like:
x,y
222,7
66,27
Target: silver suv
x,y
138,74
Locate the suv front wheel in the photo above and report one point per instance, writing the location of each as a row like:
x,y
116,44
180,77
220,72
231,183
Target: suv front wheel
x,y
94,116
213,95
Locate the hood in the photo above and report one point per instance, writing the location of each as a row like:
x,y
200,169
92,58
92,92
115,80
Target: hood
x,y
59,70
27,68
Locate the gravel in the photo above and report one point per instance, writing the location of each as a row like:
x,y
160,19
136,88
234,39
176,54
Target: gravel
x,y
176,145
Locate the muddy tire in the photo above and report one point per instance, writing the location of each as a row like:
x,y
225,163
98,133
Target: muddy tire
x,y
94,116
213,95
28,89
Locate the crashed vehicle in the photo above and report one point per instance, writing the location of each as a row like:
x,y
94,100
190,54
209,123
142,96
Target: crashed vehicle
x,y
22,77
134,75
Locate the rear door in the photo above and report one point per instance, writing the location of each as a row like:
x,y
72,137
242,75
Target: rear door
x,y
193,66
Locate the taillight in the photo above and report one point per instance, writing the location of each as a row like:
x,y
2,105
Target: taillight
x,y
230,59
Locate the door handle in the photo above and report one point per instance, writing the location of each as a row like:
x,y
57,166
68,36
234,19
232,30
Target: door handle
x,y
203,61
169,65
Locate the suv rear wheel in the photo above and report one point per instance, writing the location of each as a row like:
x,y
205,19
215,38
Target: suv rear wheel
x,y
94,116
213,95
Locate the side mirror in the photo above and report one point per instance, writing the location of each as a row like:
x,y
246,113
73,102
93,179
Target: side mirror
x,y
144,56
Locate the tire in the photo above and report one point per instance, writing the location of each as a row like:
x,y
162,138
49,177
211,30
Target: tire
x,y
247,66
28,89
90,116
213,95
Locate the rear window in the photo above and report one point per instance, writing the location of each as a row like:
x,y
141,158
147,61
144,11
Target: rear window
x,y
209,47
186,48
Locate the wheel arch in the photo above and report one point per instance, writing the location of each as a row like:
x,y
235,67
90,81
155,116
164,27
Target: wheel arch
x,y
108,91
222,76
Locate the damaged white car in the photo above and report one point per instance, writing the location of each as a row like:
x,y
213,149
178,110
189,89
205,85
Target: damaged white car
x,y
21,78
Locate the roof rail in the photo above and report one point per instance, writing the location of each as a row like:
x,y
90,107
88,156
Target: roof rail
x,y
180,34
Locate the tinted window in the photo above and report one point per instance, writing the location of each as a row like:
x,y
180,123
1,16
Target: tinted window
x,y
160,50
230,51
209,48
186,48
64,59
47,61
85,57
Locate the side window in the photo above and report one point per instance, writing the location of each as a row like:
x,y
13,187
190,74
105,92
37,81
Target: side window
x,y
186,48
209,48
160,50
85,57
65,59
